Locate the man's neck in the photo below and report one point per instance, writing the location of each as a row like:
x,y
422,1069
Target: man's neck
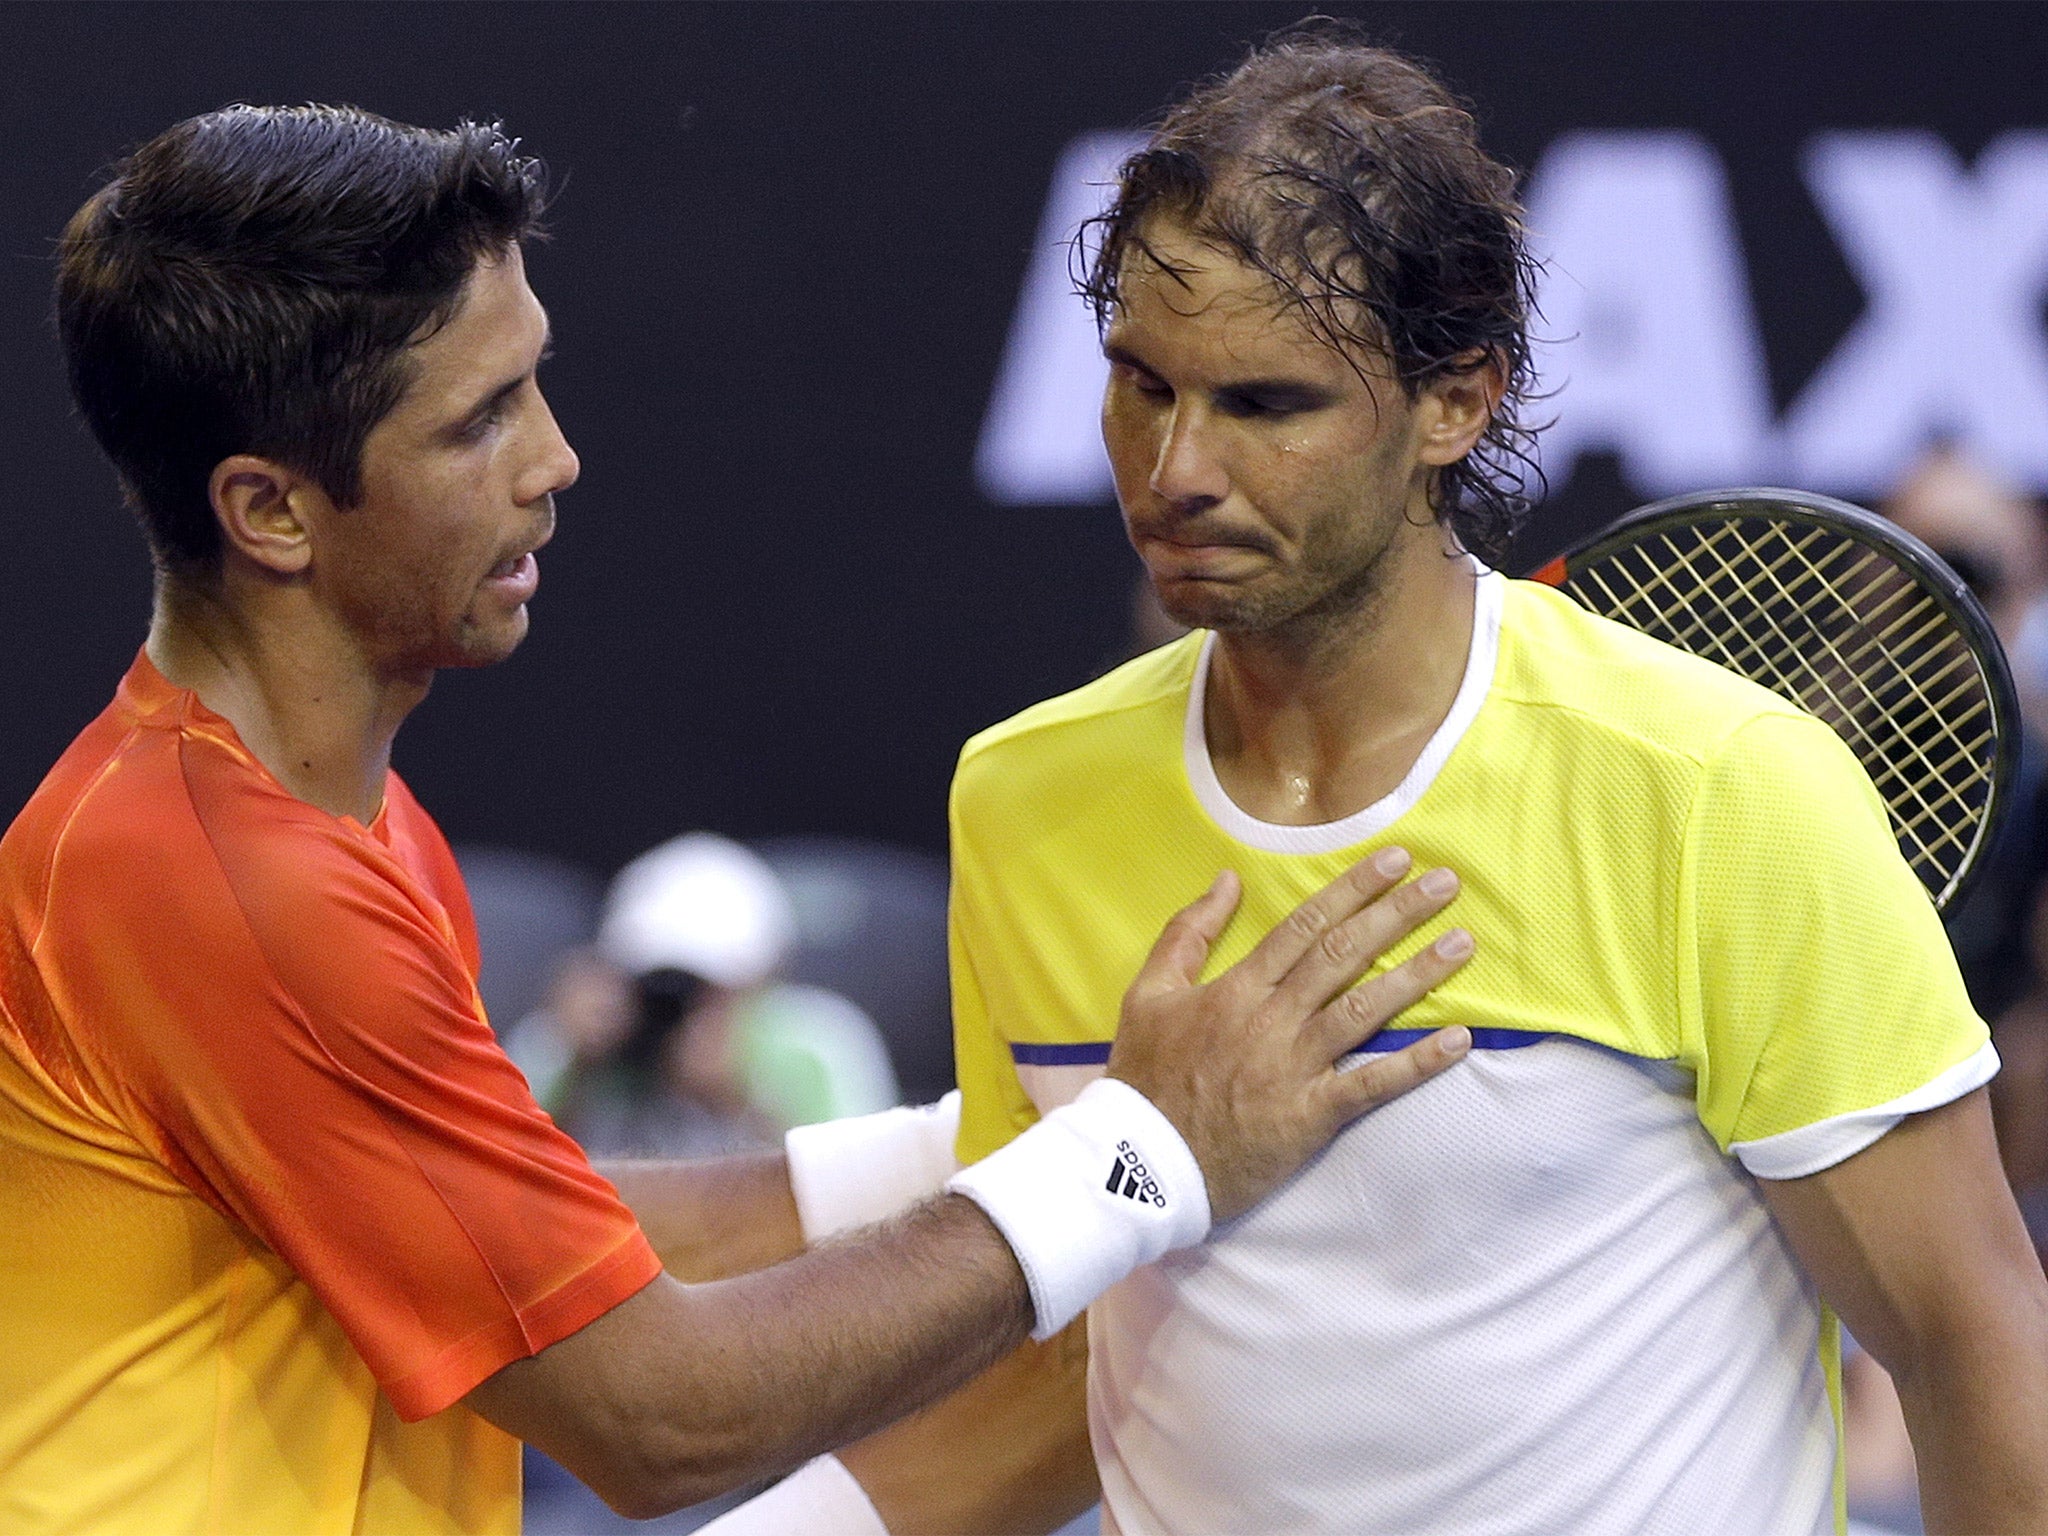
x,y
1313,723
296,688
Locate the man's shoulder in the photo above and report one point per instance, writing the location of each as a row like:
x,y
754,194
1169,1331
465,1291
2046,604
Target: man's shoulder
x,y
118,782
151,822
1132,714
163,880
1589,674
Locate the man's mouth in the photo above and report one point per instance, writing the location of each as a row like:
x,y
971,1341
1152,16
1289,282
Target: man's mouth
x,y
1197,553
522,566
1208,544
1186,537
516,579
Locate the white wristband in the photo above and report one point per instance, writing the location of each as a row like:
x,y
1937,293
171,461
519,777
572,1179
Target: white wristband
x,y
849,1173
1095,1189
820,1498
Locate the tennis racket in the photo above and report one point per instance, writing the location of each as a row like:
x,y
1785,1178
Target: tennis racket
x,y
1856,622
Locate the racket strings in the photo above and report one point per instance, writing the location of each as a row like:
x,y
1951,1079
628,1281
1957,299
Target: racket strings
x,y
1849,715
1841,629
1831,691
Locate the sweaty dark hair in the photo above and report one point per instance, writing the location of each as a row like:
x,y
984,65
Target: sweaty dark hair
x,y
249,282
1354,180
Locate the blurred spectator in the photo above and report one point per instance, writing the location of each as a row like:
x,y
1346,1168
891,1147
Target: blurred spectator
x,y
871,926
695,924
675,1037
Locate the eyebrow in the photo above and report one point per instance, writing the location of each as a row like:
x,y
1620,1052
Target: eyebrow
x,y
1118,353
1305,388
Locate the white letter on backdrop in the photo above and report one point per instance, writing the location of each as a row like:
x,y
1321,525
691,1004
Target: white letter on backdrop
x,y
1041,440
1646,331
1953,268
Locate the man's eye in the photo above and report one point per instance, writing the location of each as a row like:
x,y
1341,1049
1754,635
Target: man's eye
x,y
482,422
1256,405
1146,384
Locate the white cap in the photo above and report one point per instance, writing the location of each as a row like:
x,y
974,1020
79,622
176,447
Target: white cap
x,y
700,903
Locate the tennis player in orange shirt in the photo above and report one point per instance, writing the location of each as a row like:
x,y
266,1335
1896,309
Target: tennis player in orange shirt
x,y
285,1244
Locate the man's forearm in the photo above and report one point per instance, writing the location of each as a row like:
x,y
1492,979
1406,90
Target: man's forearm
x,y
714,1218
957,1303
688,1390
1977,1411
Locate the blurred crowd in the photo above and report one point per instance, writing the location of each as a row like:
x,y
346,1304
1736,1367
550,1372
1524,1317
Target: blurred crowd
x,y
715,995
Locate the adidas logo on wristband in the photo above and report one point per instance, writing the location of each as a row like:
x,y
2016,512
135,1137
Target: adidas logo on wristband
x,y
1044,1192
1128,1176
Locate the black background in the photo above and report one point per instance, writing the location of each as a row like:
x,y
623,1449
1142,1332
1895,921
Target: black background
x,y
787,247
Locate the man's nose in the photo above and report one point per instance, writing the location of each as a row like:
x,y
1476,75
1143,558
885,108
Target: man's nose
x,y
1188,471
555,466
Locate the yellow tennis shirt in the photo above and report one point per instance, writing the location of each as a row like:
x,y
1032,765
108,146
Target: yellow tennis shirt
x,y
1541,1292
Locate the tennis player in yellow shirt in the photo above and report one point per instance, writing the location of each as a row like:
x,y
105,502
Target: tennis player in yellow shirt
x,y
1725,1085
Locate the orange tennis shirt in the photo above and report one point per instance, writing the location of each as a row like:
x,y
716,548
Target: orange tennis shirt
x,y
271,1197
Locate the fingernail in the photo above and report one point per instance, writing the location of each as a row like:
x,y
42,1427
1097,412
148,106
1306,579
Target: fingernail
x,y
1391,861
1455,945
1438,882
1455,1041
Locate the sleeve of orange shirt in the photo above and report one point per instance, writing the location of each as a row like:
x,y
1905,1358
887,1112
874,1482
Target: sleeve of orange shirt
x,y
281,1003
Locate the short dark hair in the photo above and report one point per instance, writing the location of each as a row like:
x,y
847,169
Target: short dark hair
x,y
1351,177
249,281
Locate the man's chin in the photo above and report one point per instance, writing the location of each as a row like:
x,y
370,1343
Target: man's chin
x,y
1217,605
485,646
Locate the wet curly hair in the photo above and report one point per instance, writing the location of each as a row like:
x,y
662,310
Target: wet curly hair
x,y
1353,179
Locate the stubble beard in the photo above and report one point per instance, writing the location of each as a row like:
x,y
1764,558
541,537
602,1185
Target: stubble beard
x,y
1333,596
409,636
477,643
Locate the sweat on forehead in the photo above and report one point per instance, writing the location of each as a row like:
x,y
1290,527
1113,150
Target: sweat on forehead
x,y
1179,257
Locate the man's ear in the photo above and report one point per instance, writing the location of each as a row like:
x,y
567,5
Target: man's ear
x,y
261,507
1458,406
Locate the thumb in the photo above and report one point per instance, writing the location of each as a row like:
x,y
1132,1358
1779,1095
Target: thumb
x,y
1183,947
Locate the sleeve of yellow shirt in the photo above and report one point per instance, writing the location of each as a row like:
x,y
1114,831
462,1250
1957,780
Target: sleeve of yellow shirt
x,y
1819,996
